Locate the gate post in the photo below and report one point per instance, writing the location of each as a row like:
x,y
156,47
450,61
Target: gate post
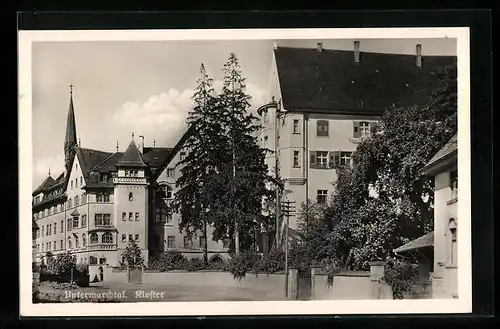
x,y
293,283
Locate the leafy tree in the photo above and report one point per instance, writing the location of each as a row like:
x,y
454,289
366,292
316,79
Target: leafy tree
x,y
62,266
384,201
133,255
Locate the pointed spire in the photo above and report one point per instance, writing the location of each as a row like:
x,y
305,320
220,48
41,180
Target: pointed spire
x,y
116,146
49,172
132,135
70,141
154,142
79,142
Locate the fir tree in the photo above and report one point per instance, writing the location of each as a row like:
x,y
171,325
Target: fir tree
x,y
244,173
133,255
204,154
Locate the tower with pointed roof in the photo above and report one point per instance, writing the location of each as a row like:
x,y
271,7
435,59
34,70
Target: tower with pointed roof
x,y
131,199
70,142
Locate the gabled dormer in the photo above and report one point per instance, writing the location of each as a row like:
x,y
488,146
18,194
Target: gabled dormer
x,y
131,167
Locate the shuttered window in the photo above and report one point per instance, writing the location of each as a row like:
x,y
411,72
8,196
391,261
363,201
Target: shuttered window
x,y
322,128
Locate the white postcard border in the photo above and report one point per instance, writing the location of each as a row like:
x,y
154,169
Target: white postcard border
x,y
463,304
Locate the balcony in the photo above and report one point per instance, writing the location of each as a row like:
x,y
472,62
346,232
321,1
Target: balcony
x,y
98,246
130,180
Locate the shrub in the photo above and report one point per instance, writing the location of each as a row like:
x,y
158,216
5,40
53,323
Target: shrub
x,y
246,261
168,261
194,264
401,276
35,293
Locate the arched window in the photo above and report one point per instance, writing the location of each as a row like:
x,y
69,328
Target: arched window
x,y
107,237
84,198
93,238
70,203
84,240
130,197
77,242
452,227
69,243
77,201
62,244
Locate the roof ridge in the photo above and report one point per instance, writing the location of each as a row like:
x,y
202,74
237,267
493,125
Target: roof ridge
x,y
361,51
103,161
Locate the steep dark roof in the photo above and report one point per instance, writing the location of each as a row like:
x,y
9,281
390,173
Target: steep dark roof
x,y
424,241
88,159
46,184
155,157
331,81
178,146
447,149
132,157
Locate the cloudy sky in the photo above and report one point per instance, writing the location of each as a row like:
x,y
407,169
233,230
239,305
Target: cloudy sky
x,y
146,87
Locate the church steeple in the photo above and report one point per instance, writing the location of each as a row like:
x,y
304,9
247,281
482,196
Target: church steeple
x,y
70,142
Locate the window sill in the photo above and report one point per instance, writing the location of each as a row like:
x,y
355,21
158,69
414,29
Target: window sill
x,y
297,167
295,133
451,266
452,201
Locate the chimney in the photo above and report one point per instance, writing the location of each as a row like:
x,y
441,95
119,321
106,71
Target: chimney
x,y
141,144
356,51
419,55
320,46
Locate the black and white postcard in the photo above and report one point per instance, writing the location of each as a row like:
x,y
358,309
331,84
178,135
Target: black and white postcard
x,y
244,172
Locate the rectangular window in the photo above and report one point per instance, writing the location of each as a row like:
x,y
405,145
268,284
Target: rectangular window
x,y
187,242
454,249
106,197
62,226
76,183
107,219
62,244
296,129
296,162
171,241
98,221
70,223
346,158
124,216
322,128
137,216
322,159
322,195
454,184
170,172
168,217
55,228
130,216
84,220
75,222
137,237
81,181
124,238
202,242
364,129
130,237
43,231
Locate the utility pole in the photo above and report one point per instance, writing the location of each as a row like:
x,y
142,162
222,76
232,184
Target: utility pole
x,y
288,210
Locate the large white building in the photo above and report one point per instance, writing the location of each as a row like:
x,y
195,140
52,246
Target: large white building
x,y
104,199
324,102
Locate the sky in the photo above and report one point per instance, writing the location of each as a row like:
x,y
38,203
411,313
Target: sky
x,y
145,87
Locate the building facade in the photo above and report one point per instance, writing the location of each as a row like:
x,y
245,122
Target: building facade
x,y
443,168
103,200
324,102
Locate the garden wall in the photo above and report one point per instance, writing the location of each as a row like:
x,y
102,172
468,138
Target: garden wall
x,y
349,285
